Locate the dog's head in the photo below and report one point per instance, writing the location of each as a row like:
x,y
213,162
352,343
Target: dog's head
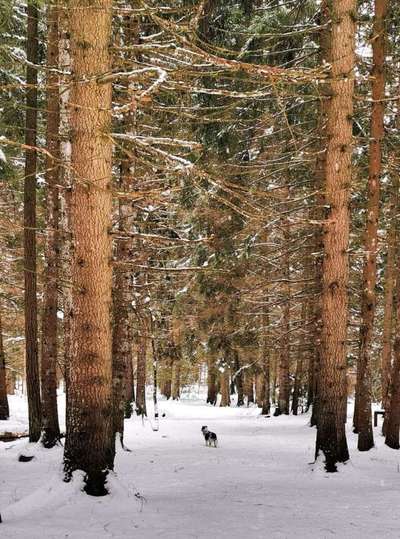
x,y
204,429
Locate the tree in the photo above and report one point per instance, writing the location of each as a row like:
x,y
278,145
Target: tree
x,y
31,340
362,414
331,436
89,442
4,409
49,348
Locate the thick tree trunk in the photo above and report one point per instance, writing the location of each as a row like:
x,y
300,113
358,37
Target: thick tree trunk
x,y
176,374
390,279
49,351
4,409
31,329
317,215
89,442
331,436
392,416
211,381
225,394
66,247
238,379
363,419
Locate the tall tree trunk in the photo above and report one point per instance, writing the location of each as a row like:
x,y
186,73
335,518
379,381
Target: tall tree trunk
x,y
225,394
211,381
238,379
4,409
31,329
48,365
265,365
248,386
284,353
66,247
298,379
141,364
317,214
90,442
363,419
392,416
331,436
390,279
176,374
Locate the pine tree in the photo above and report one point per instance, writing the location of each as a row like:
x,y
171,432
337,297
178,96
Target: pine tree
x,y
331,437
89,442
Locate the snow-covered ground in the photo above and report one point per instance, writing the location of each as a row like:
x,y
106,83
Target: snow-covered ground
x,y
258,483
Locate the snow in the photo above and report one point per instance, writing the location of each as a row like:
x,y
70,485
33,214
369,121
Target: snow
x,y
258,483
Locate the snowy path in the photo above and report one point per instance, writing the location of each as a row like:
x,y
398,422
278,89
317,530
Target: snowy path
x,y
257,484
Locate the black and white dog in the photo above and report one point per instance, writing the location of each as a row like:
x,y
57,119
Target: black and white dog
x,y
209,437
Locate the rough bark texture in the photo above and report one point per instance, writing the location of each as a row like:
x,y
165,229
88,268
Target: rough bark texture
x,y
238,381
331,437
390,279
31,329
90,442
49,348
176,375
392,423
363,419
4,409
211,381
225,394
298,379
141,373
318,215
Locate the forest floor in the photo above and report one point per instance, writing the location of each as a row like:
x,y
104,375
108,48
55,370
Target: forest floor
x,y
259,482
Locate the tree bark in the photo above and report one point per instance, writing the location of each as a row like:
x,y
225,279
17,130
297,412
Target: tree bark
x,y
392,416
49,351
225,394
141,373
390,279
331,436
284,352
89,441
176,374
211,381
363,417
31,329
4,409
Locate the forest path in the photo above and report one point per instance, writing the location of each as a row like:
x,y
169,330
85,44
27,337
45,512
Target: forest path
x,y
258,483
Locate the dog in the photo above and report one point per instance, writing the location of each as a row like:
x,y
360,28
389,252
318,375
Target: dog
x,y
209,437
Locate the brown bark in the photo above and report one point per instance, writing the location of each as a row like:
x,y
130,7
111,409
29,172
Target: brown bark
x,y
225,393
331,436
392,416
66,247
211,381
176,375
248,386
265,367
89,441
362,415
390,279
298,378
317,214
284,345
238,381
49,348
31,329
4,409
141,363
